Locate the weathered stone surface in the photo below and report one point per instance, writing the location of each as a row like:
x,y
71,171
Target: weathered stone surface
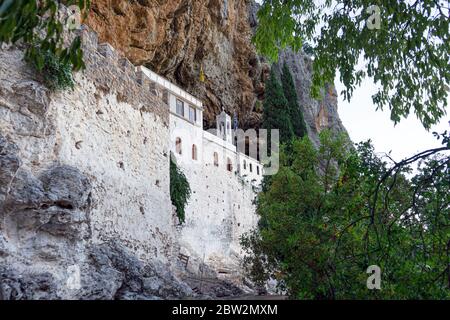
x,y
44,219
25,192
3,246
109,272
16,286
124,277
32,95
177,38
49,203
66,187
112,129
9,164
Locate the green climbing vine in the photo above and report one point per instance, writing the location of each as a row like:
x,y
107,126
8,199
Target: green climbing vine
x,y
180,191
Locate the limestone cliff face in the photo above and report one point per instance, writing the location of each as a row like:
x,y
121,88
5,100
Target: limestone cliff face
x,y
178,38
318,114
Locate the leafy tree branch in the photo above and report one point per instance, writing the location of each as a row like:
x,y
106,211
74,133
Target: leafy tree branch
x,y
407,57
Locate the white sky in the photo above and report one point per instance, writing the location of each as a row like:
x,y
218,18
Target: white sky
x,y
363,122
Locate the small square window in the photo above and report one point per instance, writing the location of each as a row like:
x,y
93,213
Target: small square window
x,y
180,107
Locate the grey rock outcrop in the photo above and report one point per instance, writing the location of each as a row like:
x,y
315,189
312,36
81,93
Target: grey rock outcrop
x,y
16,286
119,275
108,273
45,229
66,187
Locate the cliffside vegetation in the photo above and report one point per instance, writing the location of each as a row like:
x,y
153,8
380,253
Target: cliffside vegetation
x,y
39,25
290,93
321,227
56,73
281,109
180,191
276,109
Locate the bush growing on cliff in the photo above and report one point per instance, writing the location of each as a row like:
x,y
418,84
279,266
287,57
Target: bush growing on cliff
x,y
56,73
38,25
180,191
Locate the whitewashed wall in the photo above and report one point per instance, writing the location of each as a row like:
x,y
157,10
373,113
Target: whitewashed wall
x,y
221,206
127,154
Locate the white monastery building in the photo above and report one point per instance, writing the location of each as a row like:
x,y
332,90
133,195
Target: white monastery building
x,y
224,182
192,145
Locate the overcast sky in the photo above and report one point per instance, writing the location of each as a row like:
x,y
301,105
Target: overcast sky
x,y
363,122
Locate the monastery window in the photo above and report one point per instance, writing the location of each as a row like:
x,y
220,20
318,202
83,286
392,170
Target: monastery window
x,y
245,165
178,146
247,146
180,107
251,167
257,170
216,159
194,152
229,165
192,114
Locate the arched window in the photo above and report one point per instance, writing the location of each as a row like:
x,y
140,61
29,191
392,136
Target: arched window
x,y
194,152
257,170
216,159
229,165
245,165
251,167
178,148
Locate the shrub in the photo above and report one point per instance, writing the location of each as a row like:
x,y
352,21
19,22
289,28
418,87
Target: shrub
x,y
180,191
56,73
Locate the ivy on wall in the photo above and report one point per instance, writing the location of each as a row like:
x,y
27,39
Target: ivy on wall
x,y
180,191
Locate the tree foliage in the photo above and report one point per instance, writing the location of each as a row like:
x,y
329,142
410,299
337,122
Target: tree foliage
x,y
407,57
39,26
295,112
321,227
180,191
276,113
